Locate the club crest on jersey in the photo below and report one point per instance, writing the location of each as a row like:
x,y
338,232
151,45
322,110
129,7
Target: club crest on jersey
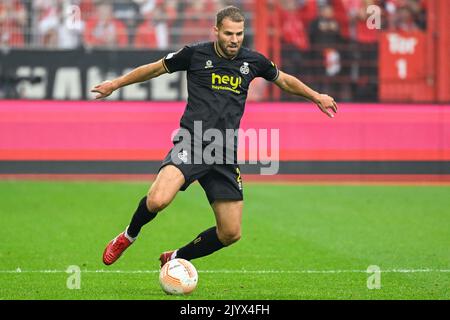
x,y
244,68
208,64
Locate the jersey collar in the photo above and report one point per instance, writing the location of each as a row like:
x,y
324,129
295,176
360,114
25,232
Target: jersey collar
x,y
216,49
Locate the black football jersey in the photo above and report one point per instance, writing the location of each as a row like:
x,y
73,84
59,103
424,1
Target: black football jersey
x,y
217,86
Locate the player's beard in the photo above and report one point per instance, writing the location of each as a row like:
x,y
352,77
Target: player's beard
x,y
224,47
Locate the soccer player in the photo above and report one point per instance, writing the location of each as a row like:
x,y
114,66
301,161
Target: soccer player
x,y
218,74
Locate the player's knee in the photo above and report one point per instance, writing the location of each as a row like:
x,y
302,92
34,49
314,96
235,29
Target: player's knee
x,y
228,237
156,202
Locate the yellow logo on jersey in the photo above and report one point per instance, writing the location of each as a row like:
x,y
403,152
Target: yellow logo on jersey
x,y
225,82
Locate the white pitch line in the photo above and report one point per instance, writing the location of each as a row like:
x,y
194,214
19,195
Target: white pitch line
x,y
426,270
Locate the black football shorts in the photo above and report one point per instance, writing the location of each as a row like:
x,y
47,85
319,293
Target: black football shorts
x,y
219,181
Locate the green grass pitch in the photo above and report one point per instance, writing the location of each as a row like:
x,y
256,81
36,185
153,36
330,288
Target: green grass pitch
x,y
299,242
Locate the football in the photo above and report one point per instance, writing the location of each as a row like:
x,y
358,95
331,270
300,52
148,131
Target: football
x,y
178,277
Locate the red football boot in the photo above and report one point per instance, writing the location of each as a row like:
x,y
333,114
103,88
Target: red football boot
x,y
115,248
165,256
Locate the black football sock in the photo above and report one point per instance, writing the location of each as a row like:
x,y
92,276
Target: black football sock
x,y
206,243
141,217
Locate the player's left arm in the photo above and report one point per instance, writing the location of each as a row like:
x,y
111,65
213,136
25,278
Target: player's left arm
x,y
294,86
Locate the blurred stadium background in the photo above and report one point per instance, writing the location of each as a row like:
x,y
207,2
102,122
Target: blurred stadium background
x,y
387,66
403,58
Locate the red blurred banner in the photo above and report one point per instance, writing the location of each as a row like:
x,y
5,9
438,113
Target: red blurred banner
x,y
402,56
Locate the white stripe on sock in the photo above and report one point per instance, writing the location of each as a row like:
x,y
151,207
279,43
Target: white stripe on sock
x,y
128,236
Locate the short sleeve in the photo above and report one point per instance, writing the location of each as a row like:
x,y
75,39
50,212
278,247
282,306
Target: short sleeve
x,y
267,69
178,61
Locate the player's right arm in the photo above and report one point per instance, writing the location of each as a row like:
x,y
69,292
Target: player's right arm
x,y
140,74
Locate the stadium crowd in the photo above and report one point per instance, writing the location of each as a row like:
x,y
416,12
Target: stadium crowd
x,y
325,42
68,24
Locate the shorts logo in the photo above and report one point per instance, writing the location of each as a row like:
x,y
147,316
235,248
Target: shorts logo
x,y
244,68
208,64
239,178
183,156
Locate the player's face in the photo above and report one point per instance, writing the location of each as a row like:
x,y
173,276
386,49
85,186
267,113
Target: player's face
x,y
230,35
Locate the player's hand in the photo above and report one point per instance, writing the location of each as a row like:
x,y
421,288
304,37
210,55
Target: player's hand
x,y
103,89
327,105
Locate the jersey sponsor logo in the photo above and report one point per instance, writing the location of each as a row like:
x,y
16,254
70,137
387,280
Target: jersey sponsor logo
x,y
244,68
225,82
